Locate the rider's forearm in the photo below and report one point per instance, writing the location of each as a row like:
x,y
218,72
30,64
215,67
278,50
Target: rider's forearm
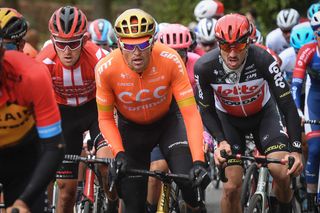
x,y
51,157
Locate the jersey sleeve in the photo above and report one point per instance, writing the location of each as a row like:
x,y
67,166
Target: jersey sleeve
x,y
47,115
303,59
205,99
281,91
105,103
184,96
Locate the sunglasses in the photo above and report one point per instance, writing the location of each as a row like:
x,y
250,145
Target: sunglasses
x,y
73,44
286,31
131,47
237,46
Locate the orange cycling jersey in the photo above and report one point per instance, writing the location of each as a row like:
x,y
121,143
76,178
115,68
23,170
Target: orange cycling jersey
x,y
145,98
26,100
74,85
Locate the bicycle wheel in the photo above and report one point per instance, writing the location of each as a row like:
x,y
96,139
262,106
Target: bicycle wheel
x,y
255,204
249,185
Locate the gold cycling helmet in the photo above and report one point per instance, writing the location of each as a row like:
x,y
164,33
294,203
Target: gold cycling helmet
x,y
134,23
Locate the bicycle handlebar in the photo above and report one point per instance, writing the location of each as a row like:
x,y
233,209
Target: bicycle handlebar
x,y
316,122
258,159
90,159
167,178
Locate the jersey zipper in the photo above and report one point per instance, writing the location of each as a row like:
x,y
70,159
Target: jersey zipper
x,y
241,103
73,84
141,87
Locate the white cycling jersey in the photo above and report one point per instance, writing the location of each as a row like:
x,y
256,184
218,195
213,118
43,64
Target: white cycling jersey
x,y
288,58
276,41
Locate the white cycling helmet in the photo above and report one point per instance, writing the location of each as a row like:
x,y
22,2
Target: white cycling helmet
x,y
205,9
287,18
315,21
206,31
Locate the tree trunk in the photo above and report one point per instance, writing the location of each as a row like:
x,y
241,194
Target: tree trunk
x,y
102,9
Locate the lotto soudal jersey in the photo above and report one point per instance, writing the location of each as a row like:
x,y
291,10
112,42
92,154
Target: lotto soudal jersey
x,y
26,99
243,93
146,98
73,85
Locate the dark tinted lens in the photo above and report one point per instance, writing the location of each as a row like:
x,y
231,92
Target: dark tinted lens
x,y
129,46
144,45
61,45
74,44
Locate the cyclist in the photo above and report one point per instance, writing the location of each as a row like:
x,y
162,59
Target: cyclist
x,y
140,79
308,61
205,35
209,9
177,37
71,59
234,85
301,34
312,10
102,34
31,143
14,27
257,39
279,39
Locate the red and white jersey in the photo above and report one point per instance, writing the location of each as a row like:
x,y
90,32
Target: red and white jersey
x,y
73,85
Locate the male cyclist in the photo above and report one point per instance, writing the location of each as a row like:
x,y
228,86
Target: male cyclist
x,y
31,143
102,34
148,84
71,59
308,62
235,83
279,39
205,36
15,27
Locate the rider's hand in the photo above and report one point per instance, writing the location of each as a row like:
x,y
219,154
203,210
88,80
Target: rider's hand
x,y
121,162
217,157
297,166
199,175
19,204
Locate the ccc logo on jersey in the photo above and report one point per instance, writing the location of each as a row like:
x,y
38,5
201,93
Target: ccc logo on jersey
x,y
143,95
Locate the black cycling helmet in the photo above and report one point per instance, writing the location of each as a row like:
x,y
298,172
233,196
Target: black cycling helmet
x,y
12,24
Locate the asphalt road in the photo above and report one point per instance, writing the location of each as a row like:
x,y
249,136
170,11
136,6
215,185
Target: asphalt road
x,y
213,198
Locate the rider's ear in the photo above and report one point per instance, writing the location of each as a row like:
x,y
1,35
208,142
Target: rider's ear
x,y
85,38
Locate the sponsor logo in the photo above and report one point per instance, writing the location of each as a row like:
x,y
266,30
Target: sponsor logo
x,y
145,106
156,79
249,67
265,137
236,90
125,84
101,99
250,76
124,75
277,75
104,66
234,161
183,93
175,58
153,71
200,93
296,144
129,97
243,102
275,147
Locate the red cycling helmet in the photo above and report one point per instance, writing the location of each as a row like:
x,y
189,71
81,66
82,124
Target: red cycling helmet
x,y
232,28
220,9
175,36
68,22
